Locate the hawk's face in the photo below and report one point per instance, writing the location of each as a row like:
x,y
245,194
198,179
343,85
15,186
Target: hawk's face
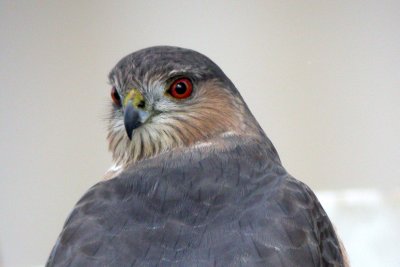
x,y
167,97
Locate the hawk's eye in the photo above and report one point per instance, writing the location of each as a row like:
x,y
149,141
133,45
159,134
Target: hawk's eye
x,y
115,97
181,88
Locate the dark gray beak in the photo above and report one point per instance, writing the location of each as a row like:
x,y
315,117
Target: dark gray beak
x,y
132,119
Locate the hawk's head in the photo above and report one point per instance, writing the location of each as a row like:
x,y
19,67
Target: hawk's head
x,y
168,97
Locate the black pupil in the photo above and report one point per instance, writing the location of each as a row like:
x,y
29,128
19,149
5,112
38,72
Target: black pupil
x,y
180,88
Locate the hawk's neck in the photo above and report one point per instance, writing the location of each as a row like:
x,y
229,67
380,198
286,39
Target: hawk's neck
x,y
227,141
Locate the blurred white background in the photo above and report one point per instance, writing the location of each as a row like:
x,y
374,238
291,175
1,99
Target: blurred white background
x,y
322,77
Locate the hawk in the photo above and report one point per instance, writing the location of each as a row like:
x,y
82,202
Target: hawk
x,y
196,181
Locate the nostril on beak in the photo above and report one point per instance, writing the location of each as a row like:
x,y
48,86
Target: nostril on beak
x,y
142,104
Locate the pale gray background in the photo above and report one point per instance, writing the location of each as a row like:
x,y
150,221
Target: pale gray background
x,y
322,77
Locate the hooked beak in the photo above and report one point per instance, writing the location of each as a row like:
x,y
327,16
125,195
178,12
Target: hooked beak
x,y
134,116
131,119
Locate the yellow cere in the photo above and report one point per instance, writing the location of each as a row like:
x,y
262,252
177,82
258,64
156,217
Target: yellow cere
x,y
135,96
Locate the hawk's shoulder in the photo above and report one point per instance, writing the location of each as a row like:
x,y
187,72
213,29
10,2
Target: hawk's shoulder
x,y
294,229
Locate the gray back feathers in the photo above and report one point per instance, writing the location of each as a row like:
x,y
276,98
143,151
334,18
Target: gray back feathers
x,y
236,207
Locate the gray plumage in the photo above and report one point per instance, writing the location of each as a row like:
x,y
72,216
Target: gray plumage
x,y
224,200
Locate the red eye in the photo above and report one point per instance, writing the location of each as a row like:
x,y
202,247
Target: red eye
x,y
115,97
181,88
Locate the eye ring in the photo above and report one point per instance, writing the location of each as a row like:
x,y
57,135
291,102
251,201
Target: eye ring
x,y
181,88
115,97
